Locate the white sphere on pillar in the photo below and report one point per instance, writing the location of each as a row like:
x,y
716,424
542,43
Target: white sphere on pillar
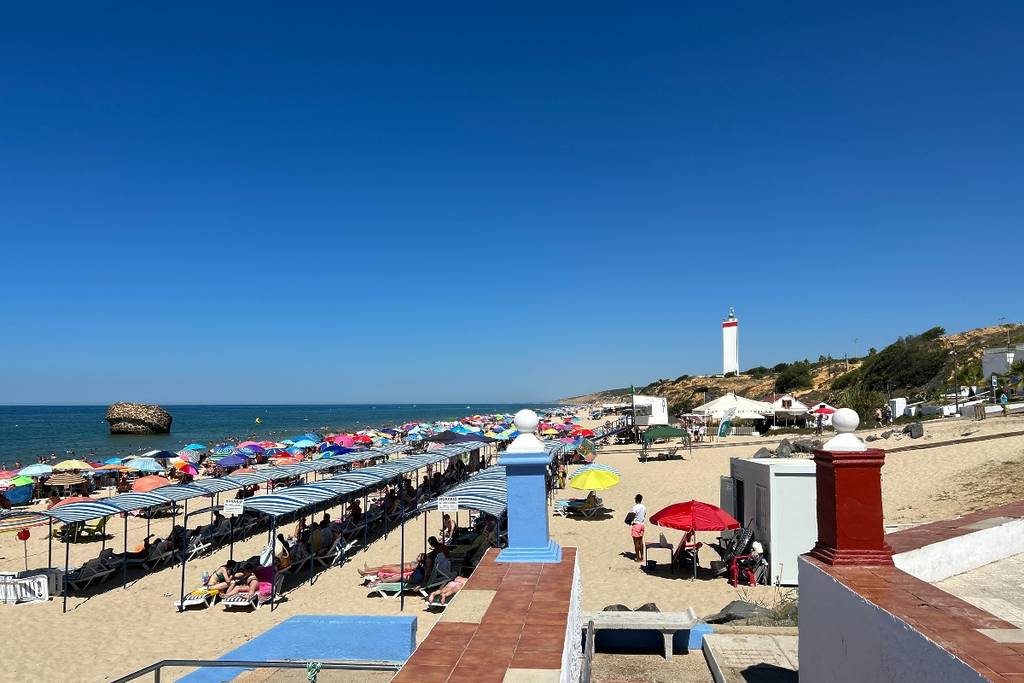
x,y
845,420
526,421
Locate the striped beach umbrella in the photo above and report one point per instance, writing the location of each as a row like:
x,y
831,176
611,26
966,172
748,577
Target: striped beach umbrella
x,y
65,479
71,465
17,521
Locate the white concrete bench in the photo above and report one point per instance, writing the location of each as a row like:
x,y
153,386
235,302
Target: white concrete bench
x,y
665,622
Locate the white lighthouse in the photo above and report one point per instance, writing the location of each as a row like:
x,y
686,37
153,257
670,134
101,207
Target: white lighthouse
x,y
731,344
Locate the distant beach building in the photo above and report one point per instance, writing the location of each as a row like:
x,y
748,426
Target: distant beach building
x,y
731,343
997,361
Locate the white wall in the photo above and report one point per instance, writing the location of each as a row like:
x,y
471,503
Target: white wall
x,y
954,556
845,638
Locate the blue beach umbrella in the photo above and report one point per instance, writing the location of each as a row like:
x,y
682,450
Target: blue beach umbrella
x,y
35,471
195,447
160,455
223,449
232,461
304,443
145,464
113,461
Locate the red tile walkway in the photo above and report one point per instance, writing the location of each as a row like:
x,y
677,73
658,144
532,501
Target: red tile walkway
x,y
523,627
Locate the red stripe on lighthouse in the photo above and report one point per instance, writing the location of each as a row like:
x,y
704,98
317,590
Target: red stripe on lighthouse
x,y
734,323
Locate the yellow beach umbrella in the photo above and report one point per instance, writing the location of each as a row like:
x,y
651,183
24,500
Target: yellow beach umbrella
x,y
594,480
71,465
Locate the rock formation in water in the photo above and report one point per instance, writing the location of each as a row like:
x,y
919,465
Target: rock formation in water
x,y
138,418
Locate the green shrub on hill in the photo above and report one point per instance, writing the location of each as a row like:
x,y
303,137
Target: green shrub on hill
x,y
795,376
907,363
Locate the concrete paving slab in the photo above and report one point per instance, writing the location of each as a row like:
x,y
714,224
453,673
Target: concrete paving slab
x,y
752,658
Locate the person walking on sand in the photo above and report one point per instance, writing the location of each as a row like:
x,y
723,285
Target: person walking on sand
x,y
636,527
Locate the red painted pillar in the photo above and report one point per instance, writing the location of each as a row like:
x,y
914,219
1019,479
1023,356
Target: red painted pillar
x,y
849,488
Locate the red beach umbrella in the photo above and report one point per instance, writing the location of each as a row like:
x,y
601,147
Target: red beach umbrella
x,y
72,499
149,483
694,515
823,410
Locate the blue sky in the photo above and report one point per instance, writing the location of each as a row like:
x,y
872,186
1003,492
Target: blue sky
x,y
250,202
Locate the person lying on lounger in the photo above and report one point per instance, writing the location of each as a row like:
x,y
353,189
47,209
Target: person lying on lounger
x,y
244,582
446,591
391,569
221,577
412,573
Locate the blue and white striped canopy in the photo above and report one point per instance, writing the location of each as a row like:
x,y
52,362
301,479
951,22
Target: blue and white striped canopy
x,y
274,506
128,502
346,483
486,491
83,512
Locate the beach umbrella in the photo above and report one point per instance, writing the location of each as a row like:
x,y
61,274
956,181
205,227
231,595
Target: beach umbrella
x,y
694,515
249,450
583,432
304,443
188,468
160,455
145,465
223,449
21,480
594,480
71,465
65,479
248,443
35,470
232,461
72,499
201,448
8,474
189,456
113,461
269,444
598,466
17,521
244,470
149,483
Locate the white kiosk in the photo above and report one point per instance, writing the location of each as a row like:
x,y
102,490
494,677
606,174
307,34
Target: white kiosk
x,y
778,497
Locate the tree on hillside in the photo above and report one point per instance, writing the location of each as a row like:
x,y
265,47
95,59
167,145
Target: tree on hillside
x,y
909,362
795,376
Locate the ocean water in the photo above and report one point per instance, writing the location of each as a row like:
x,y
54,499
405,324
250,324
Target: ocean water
x,y
27,432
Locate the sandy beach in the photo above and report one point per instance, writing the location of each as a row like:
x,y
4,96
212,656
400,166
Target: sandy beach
x,y
115,631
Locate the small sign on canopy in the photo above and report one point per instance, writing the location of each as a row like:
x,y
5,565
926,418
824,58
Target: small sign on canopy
x,y
448,504
234,506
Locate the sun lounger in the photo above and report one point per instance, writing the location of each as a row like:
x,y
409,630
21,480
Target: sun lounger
x,y
578,507
94,571
334,554
204,597
393,589
197,547
254,601
153,559
662,544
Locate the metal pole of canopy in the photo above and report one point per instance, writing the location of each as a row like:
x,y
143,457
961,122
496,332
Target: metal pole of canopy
x,y
184,557
401,572
124,561
49,543
273,565
67,561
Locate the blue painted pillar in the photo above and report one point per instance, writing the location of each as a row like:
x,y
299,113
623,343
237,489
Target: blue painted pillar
x,y
526,463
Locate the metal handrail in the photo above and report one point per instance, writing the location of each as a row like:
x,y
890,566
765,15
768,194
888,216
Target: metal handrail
x,y
351,665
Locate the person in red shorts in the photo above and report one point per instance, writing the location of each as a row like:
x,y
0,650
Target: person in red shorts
x,y
636,528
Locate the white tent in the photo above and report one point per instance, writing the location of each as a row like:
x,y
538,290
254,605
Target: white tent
x,y
745,408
